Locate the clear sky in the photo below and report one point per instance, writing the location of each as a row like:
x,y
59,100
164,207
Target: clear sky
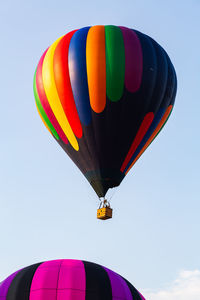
x,y
47,208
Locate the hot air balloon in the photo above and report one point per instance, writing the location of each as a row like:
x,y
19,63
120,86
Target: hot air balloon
x,y
104,93
67,280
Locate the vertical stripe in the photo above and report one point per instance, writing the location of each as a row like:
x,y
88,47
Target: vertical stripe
x,y
72,281
115,62
45,281
96,67
135,294
78,74
44,101
133,60
20,286
155,133
59,280
120,289
98,284
158,96
4,286
52,95
139,136
41,111
62,80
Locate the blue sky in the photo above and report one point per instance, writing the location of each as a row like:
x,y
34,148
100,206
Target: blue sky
x,y
48,209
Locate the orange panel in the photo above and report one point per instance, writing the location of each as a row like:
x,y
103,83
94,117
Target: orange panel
x,y
96,67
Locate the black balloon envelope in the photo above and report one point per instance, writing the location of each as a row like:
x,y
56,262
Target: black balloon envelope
x,y
104,93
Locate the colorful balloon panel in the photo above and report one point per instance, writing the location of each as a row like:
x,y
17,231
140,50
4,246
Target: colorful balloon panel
x,y
67,280
105,92
96,68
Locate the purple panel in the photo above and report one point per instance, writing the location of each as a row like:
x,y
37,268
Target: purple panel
x,y
4,285
133,60
120,289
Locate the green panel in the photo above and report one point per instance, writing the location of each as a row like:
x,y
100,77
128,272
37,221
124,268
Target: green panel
x,y
41,110
115,62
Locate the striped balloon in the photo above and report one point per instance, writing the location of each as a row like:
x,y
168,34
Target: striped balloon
x,y
67,280
104,93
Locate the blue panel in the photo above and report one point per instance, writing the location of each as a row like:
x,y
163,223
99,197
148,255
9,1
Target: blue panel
x,y
151,129
78,74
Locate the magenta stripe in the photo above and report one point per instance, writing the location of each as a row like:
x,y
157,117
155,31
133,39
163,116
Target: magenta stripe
x,y
120,289
59,280
4,285
72,280
45,281
133,60
44,101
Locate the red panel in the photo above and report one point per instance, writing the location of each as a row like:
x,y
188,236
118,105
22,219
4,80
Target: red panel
x,y
44,101
154,134
139,136
63,84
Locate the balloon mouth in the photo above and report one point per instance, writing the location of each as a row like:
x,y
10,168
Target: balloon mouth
x,y
102,180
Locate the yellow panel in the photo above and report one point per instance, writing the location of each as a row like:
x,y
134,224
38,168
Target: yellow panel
x,y
52,95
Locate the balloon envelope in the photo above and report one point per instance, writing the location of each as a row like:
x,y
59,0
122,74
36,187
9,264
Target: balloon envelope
x,y
104,93
67,280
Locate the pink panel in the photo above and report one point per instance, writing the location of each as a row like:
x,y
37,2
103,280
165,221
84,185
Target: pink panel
x,y
45,280
120,289
59,280
72,281
43,295
46,275
70,295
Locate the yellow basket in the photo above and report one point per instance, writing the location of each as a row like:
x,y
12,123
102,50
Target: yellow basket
x,y
104,213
